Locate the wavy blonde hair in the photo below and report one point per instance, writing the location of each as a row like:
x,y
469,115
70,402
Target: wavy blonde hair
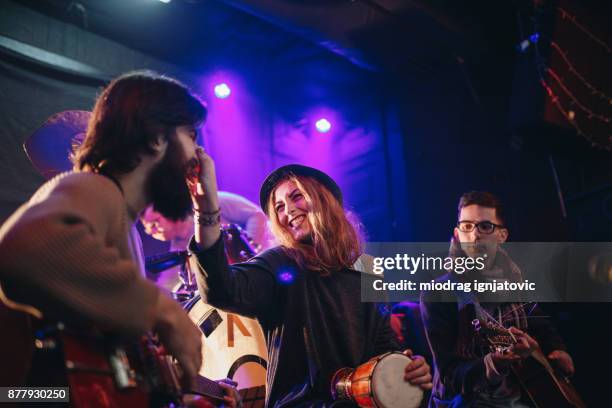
x,y
336,237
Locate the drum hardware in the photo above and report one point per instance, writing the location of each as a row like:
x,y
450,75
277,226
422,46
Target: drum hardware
x,y
239,247
241,354
158,263
210,321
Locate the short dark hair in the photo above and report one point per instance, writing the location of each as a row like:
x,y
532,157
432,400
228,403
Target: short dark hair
x,y
132,111
483,199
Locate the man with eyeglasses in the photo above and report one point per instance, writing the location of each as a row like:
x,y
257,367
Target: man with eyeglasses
x,y
467,374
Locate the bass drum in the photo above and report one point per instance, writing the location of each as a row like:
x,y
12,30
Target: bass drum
x,y
233,346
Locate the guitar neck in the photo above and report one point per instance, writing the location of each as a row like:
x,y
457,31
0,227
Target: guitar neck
x,y
207,388
212,389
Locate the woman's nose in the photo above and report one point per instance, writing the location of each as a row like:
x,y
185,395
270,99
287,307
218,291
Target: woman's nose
x,y
289,208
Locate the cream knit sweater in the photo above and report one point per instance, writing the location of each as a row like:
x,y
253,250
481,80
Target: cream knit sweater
x,y
67,253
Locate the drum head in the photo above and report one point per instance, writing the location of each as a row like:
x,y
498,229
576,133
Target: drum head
x,y
233,346
390,389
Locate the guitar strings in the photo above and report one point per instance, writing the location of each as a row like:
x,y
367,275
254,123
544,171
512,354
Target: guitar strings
x,y
487,314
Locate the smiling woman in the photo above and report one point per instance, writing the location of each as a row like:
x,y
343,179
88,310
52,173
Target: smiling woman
x,y
311,222
291,210
305,292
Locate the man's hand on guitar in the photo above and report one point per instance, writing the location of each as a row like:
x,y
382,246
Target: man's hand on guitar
x,y
418,372
525,344
562,361
232,398
180,337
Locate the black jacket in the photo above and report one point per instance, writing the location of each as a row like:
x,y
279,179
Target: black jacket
x,y
314,324
461,381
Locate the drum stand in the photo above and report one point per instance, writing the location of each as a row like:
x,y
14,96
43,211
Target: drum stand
x,y
188,287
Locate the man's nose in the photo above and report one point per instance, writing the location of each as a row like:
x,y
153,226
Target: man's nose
x,y
476,234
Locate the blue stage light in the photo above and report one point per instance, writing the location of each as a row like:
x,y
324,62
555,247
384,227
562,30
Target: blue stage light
x,y
286,277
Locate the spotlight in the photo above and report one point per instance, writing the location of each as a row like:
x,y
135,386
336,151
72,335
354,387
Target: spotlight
x,y
323,125
286,277
222,91
165,1
523,45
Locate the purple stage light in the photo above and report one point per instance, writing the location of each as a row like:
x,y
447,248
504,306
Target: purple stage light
x,y
323,125
286,277
222,90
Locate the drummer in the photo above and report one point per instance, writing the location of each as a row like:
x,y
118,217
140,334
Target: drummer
x,y
304,292
235,209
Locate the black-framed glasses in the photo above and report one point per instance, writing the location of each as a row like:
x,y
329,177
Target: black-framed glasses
x,y
484,227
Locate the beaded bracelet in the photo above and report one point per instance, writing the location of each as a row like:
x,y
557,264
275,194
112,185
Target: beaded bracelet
x,y
207,218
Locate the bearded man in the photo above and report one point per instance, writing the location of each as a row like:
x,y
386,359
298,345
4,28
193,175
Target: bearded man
x,y
71,253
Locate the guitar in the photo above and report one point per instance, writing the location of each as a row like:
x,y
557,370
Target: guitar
x,y
102,371
15,350
541,383
99,369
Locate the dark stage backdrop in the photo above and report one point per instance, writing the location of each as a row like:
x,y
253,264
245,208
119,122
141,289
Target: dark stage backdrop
x,y
403,152
267,122
32,91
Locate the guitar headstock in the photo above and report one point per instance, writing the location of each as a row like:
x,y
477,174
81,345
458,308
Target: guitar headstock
x,y
496,337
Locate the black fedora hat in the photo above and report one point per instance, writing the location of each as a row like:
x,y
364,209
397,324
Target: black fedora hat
x,y
298,170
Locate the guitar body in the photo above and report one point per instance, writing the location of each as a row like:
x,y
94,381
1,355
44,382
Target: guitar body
x,y
538,379
30,362
546,388
100,371
90,377
16,346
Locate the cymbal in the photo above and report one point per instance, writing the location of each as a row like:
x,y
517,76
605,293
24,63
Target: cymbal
x,y
49,147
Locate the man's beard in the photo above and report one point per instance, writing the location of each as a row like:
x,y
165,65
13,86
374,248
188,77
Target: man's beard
x,y
476,249
167,188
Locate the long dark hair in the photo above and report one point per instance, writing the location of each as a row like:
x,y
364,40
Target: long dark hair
x,y
132,111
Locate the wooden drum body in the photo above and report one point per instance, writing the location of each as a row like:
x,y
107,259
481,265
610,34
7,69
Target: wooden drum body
x,y
378,383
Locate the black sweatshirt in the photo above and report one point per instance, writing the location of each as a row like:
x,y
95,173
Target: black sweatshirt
x,y
314,324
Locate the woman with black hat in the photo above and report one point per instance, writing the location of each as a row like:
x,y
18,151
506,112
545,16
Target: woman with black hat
x,y
305,292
